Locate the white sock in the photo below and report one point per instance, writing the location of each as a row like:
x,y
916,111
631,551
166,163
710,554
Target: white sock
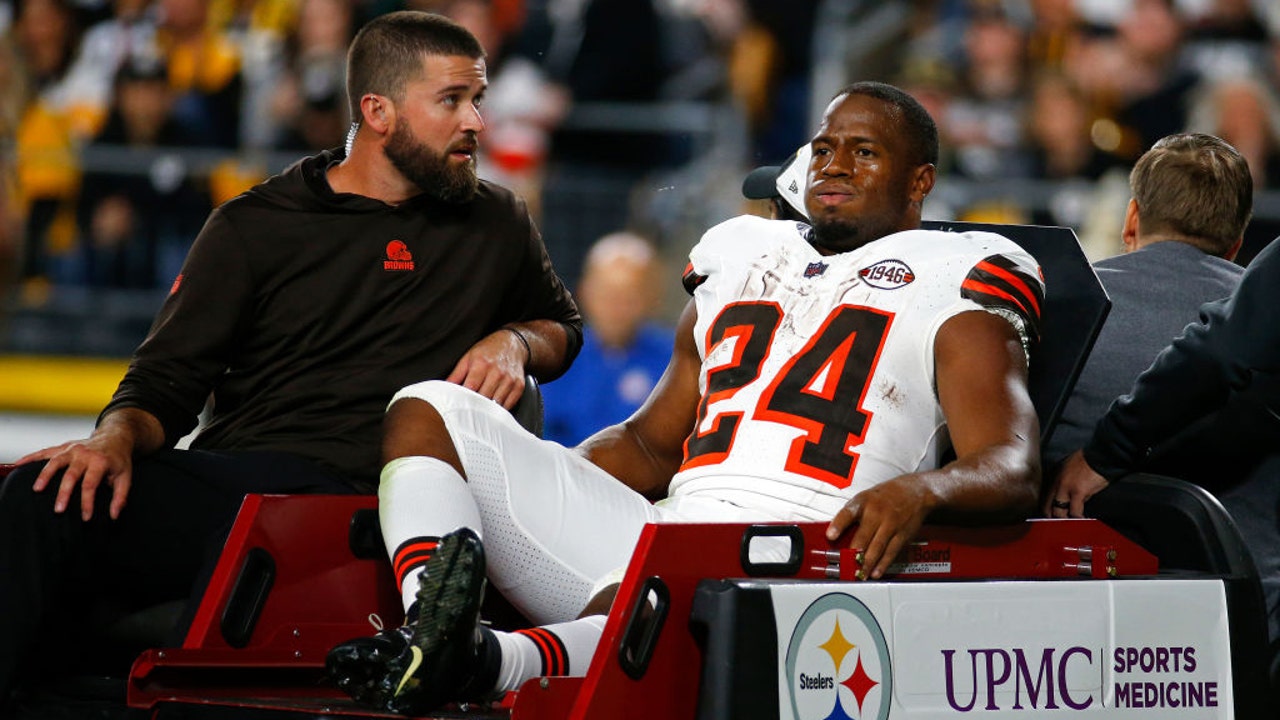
x,y
561,649
420,499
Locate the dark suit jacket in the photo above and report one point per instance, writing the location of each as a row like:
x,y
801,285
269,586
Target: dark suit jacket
x,y
1155,293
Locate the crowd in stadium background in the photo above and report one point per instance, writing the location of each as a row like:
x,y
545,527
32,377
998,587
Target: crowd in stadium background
x,y
123,122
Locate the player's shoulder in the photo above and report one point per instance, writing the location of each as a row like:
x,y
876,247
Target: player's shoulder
x,y
957,243
733,245
959,251
747,233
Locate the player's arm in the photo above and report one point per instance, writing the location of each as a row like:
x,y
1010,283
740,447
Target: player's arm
x,y
981,375
645,450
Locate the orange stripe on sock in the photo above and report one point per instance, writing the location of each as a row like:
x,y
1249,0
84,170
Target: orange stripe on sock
x,y
413,553
549,648
560,664
543,645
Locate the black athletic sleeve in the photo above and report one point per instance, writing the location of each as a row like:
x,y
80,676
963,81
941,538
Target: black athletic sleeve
x,y
1196,375
194,334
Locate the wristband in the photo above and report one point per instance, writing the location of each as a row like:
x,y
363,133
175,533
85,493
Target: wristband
x,y
527,350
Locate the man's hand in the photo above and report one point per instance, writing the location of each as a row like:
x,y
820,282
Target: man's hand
x,y
1076,483
107,455
87,463
888,516
494,367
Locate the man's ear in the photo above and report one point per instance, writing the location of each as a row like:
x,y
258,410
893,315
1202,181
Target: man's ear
x,y
377,113
1132,227
926,175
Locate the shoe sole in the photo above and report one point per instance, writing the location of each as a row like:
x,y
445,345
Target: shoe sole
x,y
450,589
447,592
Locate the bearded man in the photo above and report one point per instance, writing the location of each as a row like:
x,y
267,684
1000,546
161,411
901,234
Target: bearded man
x,y
303,306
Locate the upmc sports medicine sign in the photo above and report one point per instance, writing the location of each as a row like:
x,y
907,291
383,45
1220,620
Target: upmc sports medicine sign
x,y
1105,649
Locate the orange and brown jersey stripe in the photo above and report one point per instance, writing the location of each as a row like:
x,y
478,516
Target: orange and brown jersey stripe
x,y
555,659
999,282
412,554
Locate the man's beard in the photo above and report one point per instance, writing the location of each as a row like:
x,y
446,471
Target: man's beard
x,y
842,234
431,171
839,234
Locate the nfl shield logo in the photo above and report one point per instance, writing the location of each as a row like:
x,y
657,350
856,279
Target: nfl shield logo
x,y
815,269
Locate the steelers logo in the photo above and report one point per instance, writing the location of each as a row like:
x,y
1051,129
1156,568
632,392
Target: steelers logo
x,y
838,664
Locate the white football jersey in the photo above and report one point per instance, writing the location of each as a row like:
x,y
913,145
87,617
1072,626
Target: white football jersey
x,y
817,371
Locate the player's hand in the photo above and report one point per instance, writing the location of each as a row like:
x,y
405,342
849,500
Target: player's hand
x,y
888,516
1075,484
87,464
494,367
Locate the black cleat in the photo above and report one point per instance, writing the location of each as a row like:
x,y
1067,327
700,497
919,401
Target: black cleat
x,y
368,668
447,635
441,656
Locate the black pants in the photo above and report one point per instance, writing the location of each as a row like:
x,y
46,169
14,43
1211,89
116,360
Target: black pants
x,y
56,570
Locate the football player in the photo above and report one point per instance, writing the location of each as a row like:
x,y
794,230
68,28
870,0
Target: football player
x,y
820,372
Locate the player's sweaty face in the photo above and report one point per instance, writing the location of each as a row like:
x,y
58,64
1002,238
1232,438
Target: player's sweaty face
x,y
860,177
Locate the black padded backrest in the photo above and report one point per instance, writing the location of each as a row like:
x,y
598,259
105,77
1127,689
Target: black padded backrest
x,y
528,411
1075,307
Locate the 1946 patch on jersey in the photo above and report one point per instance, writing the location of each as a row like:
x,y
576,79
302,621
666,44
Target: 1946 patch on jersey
x,y
887,275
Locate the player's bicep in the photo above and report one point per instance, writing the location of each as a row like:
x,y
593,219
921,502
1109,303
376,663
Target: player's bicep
x,y
1010,287
981,373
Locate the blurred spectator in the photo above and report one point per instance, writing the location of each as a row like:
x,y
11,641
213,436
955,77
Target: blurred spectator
x,y
781,40
47,167
981,122
1061,150
933,83
320,122
1245,112
258,29
611,53
135,227
1058,122
477,16
307,102
623,351
204,72
128,31
13,90
13,99
236,17
1227,37
1055,28
1136,76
